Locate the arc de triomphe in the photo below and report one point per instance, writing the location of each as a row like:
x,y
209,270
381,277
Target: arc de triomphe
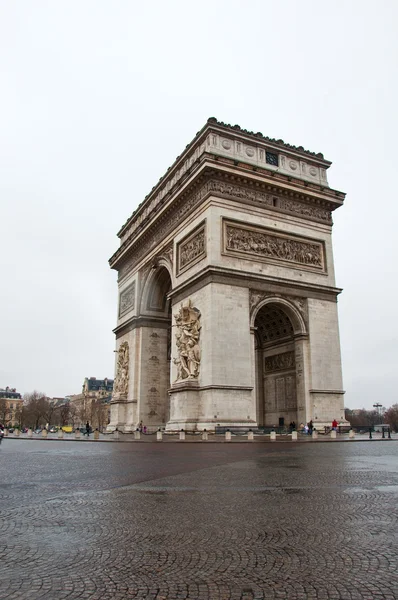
x,y
227,301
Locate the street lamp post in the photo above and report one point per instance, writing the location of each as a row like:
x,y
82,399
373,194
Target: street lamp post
x,y
378,407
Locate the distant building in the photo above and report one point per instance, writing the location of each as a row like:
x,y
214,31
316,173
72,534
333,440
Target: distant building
x,y
11,403
93,404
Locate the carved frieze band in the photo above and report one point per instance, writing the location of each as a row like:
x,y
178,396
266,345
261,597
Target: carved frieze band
x,y
227,189
127,299
279,362
191,249
272,200
266,245
257,296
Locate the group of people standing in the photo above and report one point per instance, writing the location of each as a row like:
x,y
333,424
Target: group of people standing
x,y
308,428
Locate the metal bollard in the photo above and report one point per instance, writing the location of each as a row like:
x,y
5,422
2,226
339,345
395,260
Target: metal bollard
x,y
294,436
44,433
159,435
228,436
250,436
182,435
382,433
314,434
273,436
389,433
370,433
77,434
351,434
96,434
205,436
30,433
137,434
333,434
60,434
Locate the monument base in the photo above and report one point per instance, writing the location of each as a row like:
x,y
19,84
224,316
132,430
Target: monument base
x,y
195,408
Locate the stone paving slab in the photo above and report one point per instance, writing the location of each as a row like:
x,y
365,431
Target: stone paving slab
x,y
208,521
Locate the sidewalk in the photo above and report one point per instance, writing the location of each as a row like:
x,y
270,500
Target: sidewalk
x,y
212,438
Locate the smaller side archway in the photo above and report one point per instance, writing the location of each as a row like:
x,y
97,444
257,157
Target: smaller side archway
x,y
279,327
154,354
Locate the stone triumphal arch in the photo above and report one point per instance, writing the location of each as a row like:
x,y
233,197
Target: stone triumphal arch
x,y
227,308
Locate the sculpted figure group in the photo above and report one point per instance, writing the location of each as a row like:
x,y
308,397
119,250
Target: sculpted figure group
x,y
122,373
187,339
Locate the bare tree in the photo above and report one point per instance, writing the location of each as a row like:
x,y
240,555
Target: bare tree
x,y
36,406
391,417
362,418
4,411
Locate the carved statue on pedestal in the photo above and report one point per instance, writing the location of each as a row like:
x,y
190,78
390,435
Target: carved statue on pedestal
x,y
187,336
121,385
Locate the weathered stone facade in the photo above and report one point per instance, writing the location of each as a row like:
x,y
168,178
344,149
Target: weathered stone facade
x,y
227,298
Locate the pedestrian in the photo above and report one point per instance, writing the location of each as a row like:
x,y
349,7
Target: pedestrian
x,y
88,429
310,427
334,425
140,427
144,429
293,426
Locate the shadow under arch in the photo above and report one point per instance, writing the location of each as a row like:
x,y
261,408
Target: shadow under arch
x,y
155,293
295,317
279,331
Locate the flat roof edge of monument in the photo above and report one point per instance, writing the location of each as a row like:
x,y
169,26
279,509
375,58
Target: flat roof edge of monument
x,y
212,123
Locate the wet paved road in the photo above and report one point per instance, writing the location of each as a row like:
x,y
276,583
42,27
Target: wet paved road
x,y
216,521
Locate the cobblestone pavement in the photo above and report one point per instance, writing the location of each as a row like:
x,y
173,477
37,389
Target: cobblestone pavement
x,y
207,521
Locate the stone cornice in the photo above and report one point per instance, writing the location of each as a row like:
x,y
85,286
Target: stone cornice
x,y
260,190
297,162
275,285
141,321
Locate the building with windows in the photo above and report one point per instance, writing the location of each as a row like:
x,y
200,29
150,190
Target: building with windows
x,y
92,404
11,404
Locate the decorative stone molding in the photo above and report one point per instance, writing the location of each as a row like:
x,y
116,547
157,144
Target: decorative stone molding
x,y
127,299
279,362
121,383
257,296
191,249
274,200
263,244
187,338
224,188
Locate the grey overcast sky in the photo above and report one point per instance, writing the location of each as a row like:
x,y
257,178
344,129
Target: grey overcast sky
x,y
98,97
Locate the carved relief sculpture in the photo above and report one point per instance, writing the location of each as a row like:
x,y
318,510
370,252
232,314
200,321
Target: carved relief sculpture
x,y
192,249
264,244
278,362
121,384
127,299
187,337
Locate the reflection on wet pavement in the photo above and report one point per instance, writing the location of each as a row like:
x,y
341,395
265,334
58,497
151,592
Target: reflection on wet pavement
x,y
115,521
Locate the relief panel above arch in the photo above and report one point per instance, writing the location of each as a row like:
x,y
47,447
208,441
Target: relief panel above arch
x,y
267,245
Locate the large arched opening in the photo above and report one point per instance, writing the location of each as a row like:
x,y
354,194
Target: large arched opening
x,y
154,402
276,327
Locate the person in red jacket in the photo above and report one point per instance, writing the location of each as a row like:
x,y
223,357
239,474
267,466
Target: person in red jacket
x,y
334,424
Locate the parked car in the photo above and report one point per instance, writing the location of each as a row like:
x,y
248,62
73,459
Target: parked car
x,y
11,430
53,430
67,428
24,430
38,430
